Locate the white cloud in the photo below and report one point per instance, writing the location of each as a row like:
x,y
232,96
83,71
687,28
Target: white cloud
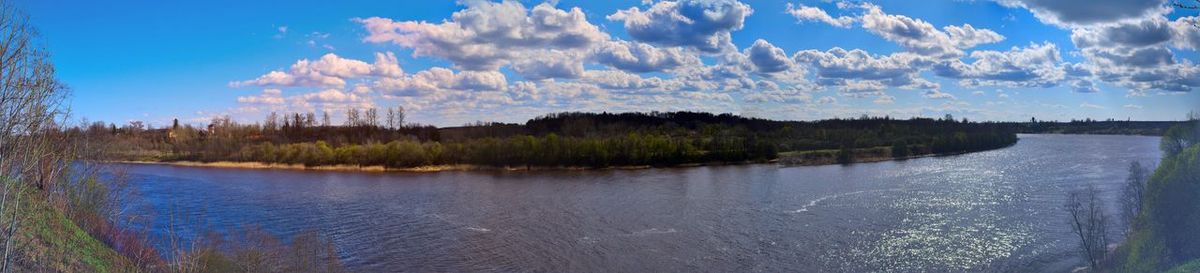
x,y
862,89
328,71
640,57
936,94
439,79
1035,65
487,35
1084,86
701,24
921,37
617,79
1136,54
1184,32
1073,13
1091,106
1143,33
767,58
779,95
550,64
330,96
268,96
837,65
806,13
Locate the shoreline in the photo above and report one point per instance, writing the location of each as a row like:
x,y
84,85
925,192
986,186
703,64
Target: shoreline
x,y
784,161
383,169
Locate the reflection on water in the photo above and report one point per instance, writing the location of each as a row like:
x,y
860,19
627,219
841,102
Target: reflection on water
x,y
990,211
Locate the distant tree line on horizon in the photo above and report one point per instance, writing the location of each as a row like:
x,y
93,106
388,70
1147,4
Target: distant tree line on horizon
x,y
568,139
1099,127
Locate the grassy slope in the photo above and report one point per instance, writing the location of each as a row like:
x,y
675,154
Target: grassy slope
x,y
1190,267
53,243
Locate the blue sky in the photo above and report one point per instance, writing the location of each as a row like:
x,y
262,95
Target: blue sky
x,y
510,61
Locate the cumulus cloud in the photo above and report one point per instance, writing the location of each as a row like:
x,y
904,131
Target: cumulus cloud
x,y
641,58
1071,13
439,79
617,79
330,96
1131,34
1184,32
836,65
1137,55
862,89
550,64
923,38
701,24
1035,65
329,71
268,96
815,14
779,95
767,58
487,35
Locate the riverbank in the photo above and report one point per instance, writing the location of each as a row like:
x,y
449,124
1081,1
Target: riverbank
x,y
797,158
415,169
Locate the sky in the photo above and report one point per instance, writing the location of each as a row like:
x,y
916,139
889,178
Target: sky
x,y
449,63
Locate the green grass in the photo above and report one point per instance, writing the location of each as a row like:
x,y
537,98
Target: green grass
x,y
1189,267
52,242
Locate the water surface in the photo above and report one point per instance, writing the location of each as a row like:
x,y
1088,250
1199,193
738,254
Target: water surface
x,y
993,211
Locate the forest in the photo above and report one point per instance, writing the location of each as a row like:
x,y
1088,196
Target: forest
x,y
590,140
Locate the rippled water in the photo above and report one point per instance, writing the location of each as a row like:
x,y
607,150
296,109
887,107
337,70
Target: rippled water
x,y
994,211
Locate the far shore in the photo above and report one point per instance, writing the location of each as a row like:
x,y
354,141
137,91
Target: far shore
x,y
783,160
377,168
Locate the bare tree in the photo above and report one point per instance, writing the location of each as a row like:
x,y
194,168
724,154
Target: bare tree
x,y
1133,193
391,118
372,117
325,119
272,122
31,102
352,117
297,120
310,119
1089,223
399,116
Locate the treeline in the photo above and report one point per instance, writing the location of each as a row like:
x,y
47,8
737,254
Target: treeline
x,y
562,140
550,150
1097,127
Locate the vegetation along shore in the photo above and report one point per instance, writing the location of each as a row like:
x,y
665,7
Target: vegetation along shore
x,y
555,141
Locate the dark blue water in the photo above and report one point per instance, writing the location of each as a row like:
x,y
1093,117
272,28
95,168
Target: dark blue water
x,y
994,211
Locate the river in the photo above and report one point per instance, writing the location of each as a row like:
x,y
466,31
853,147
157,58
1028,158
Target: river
x,y
992,211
